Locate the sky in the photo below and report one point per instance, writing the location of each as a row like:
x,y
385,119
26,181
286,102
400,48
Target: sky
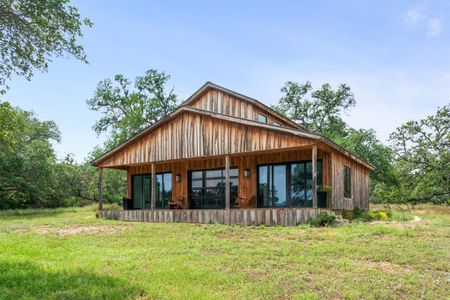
x,y
395,55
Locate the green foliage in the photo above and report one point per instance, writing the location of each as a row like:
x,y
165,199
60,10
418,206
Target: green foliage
x,y
129,108
320,111
365,144
322,219
422,159
27,169
369,216
32,176
11,125
33,32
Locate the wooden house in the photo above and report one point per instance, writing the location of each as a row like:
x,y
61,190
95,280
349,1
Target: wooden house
x,y
227,158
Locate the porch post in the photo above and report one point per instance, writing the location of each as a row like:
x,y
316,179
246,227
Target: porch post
x,y
314,176
100,189
227,182
153,190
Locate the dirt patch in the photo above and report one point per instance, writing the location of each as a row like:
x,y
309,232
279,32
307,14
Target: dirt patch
x,y
90,230
384,266
413,223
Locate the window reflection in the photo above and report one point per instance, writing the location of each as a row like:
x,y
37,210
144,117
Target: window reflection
x,y
287,185
207,188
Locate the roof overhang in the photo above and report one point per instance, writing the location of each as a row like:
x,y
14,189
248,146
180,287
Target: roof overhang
x,y
237,120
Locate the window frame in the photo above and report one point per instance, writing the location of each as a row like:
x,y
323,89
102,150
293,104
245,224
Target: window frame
x,y
150,189
287,165
165,202
264,116
347,182
204,187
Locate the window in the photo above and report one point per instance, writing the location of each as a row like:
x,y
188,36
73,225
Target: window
x,y
163,190
347,182
262,118
287,185
276,123
141,190
207,188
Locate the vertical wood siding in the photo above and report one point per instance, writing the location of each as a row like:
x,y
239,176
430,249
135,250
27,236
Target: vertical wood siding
x,y
192,135
359,184
223,103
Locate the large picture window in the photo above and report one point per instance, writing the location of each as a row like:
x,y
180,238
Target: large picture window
x,y
141,190
347,182
287,185
207,188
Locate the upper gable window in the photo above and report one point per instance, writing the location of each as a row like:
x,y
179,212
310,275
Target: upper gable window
x,y
262,118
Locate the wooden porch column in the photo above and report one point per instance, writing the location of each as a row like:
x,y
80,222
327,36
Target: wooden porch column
x,y
152,189
314,176
227,182
100,189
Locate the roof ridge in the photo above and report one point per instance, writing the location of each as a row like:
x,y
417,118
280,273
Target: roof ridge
x,y
243,97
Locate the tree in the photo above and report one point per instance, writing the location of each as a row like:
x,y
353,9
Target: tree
x,y
422,153
320,114
33,32
27,169
129,108
11,125
320,111
365,144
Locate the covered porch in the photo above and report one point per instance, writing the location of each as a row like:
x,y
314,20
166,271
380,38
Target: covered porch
x,y
298,177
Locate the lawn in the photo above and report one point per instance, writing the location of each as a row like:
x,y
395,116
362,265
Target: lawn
x,y
69,254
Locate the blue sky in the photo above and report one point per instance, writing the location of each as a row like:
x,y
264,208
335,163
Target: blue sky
x,y
395,55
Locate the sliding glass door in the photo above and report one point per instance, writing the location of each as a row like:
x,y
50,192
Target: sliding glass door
x,y
287,185
141,190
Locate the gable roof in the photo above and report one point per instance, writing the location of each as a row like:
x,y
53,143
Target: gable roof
x,y
260,105
184,107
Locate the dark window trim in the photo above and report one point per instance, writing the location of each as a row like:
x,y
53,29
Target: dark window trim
x,y
288,180
263,115
163,185
142,188
347,185
203,180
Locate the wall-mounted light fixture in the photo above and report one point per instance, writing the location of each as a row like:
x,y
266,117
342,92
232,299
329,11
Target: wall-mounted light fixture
x,y
178,177
246,173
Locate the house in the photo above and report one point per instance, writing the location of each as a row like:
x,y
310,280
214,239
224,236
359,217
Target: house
x,y
225,157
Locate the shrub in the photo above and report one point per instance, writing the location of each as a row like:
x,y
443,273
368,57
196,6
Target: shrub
x,y
369,216
322,219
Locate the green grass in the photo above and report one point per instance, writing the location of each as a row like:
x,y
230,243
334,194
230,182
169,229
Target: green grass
x,y
69,254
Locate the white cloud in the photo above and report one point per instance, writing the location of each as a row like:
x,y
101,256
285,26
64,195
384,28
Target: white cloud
x,y
434,27
414,16
425,18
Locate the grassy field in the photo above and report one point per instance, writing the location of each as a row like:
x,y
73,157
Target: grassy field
x,y
69,254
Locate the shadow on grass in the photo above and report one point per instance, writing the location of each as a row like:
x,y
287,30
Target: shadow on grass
x,y
21,280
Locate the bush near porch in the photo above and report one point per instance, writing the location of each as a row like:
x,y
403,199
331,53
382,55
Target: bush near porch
x,y
70,254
